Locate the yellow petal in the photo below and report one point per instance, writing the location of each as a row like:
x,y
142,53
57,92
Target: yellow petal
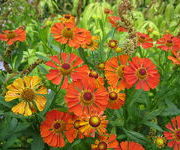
x,y
19,108
35,80
27,111
42,90
11,95
40,102
12,88
27,80
18,84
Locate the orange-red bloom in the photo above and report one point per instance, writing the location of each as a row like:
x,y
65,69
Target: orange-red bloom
x,y
173,135
92,44
169,42
114,71
53,128
175,58
105,142
85,95
14,35
116,99
115,21
142,73
127,145
68,33
66,66
99,80
144,40
67,18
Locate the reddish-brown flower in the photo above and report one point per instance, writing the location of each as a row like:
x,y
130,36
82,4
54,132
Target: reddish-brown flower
x,y
85,95
52,129
108,11
142,73
144,40
14,35
127,145
105,142
68,33
114,71
65,67
168,42
115,21
175,58
173,135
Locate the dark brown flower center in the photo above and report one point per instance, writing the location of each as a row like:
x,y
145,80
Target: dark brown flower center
x,y
28,95
67,33
66,66
113,44
67,16
94,121
57,125
113,96
87,96
102,146
11,35
93,74
142,73
177,135
169,43
142,39
77,124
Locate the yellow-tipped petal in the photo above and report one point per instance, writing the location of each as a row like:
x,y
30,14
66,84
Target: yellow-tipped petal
x,y
40,102
18,84
19,108
42,90
27,111
27,81
11,95
34,81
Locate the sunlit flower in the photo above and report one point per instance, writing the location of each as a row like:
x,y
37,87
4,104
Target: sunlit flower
x,y
85,95
144,40
168,42
142,73
105,142
11,36
115,21
68,33
175,58
113,44
160,141
65,67
116,99
108,11
99,80
127,145
67,18
27,90
92,44
53,128
101,66
114,71
173,135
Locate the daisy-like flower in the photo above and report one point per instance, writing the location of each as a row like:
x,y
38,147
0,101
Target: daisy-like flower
x,y
68,33
27,90
53,128
113,44
65,67
105,142
175,58
144,40
127,145
93,44
93,122
67,18
99,80
11,36
116,99
114,71
142,73
160,141
85,95
173,135
168,42
115,21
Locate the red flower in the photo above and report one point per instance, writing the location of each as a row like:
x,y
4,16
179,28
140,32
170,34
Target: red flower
x,y
169,42
144,40
67,66
12,36
127,145
68,33
115,21
142,73
52,129
173,135
175,58
85,95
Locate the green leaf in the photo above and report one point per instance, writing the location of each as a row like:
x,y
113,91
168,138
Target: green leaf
x,y
153,125
37,143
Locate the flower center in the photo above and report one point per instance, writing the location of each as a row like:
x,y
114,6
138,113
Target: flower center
x,y
58,126
66,66
67,33
120,71
77,124
87,96
67,16
28,94
177,135
94,121
93,74
142,73
169,43
160,141
102,146
141,39
65,69
101,66
113,96
113,44
11,35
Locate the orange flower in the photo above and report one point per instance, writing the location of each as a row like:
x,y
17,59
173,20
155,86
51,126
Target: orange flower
x,y
113,44
53,128
68,33
67,18
116,99
127,145
12,36
99,80
115,21
93,122
105,142
176,58
144,40
142,73
84,95
160,141
93,44
65,66
114,71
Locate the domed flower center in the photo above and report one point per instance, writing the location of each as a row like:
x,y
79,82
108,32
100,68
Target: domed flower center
x,y
120,71
77,124
102,146
28,95
142,39
177,135
87,96
65,69
113,44
57,125
169,43
93,74
160,141
66,66
101,66
67,33
11,35
94,121
113,96
67,17
142,73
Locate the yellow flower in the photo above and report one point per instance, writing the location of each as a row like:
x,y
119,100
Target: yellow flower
x,y
28,90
